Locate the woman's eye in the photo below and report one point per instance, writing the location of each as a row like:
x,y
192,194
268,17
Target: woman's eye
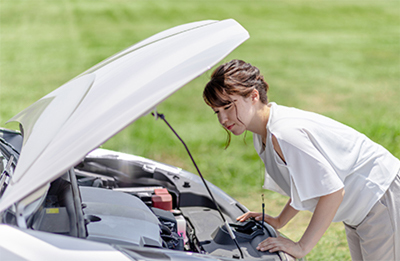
x,y
227,107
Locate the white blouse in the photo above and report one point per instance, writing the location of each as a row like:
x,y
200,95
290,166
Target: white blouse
x,y
323,156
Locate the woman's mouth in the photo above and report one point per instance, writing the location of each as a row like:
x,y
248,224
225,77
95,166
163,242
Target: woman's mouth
x,y
230,127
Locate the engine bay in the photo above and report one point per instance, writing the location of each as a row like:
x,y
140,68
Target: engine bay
x,y
186,217
128,201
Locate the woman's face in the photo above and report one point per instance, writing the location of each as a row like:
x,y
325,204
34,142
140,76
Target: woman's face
x,y
236,115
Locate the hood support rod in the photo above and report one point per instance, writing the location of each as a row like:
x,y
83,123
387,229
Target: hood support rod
x,y
228,227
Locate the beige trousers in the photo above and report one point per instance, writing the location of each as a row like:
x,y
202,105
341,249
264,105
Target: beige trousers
x,y
377,237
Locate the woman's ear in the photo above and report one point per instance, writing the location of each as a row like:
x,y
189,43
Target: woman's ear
x,y
255,96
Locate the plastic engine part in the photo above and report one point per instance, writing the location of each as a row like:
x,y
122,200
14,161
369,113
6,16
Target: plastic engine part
x,y
162,199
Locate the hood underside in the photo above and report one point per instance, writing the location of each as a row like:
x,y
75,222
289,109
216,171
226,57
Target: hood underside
x,y
65,125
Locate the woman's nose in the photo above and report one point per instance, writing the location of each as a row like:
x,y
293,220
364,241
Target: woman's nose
x,y
222,118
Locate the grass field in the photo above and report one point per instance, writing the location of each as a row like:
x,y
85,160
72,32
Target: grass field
x,y
338,58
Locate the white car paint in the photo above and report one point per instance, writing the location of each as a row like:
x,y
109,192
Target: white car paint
x,y
18,245
65,125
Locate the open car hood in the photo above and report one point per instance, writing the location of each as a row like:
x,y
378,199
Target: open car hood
x,y
65,125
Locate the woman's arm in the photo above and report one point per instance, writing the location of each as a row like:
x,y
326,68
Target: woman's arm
x,y
323,215
288,212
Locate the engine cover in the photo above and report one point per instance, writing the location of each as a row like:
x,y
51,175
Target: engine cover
x,y
119,218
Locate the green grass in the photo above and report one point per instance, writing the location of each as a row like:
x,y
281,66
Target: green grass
x,y
338,58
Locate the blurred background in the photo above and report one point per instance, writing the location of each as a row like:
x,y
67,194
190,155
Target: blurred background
x,y
338,58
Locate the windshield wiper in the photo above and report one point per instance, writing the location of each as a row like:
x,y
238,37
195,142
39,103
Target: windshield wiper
x,y
7,172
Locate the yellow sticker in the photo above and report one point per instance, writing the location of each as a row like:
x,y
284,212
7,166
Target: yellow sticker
x,y
52,211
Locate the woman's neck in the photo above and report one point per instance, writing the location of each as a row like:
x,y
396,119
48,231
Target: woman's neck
x,y
260,119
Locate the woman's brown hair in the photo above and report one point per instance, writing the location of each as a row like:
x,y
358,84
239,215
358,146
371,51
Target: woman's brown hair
x,y
234,77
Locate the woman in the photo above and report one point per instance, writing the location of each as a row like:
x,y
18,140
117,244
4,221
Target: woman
x,y
322,165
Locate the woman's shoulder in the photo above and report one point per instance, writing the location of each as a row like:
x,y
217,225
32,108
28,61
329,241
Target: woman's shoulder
x,y
295,126
291,124
285,118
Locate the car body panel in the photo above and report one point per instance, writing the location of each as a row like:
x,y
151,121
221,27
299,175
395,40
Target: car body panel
x,y
24,245
109,97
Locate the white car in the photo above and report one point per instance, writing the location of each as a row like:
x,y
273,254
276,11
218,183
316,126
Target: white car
x,y
63,198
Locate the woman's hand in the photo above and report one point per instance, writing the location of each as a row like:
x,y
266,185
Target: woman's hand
x,y
323,215
273,221
246,216
273,244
